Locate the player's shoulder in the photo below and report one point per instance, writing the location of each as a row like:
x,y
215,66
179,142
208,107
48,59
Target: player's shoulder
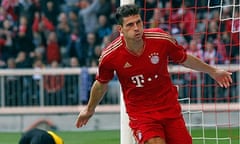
x,y
155,30
112,48
158,33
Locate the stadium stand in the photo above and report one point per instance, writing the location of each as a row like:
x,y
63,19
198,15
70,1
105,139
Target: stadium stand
x,y
39,34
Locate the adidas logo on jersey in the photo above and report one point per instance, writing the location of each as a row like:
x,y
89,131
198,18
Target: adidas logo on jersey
x,y
127,65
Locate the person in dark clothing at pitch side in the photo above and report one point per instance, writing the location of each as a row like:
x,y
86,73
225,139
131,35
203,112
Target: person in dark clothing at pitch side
x,y
39,136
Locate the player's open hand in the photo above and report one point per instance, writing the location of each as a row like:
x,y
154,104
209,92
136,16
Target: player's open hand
x,y
223,78
83,117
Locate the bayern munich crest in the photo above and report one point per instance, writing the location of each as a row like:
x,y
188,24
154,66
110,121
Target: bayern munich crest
x,y
154,58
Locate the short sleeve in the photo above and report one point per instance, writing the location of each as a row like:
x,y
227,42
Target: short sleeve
x,y
105,73
176,52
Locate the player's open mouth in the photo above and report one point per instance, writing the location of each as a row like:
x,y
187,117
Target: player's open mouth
x,y
137,35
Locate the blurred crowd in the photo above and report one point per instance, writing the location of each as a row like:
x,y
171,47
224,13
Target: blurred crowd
x,y
37,33
72,33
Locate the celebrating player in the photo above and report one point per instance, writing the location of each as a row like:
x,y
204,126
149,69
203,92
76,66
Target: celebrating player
x,y
140,59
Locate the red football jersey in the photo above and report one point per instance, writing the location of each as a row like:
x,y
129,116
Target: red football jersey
x,y
145,81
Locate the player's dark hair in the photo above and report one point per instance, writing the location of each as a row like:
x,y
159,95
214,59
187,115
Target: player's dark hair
x,y
125,11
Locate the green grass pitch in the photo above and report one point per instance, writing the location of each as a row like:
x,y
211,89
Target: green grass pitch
x,y
82,137
113,137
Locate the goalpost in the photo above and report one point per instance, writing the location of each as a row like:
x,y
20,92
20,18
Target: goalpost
x,y
126,136
203,111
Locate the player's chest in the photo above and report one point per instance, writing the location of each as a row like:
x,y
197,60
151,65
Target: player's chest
x,y
150,63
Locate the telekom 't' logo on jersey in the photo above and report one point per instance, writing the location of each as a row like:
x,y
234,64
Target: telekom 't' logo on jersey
x,y
138,80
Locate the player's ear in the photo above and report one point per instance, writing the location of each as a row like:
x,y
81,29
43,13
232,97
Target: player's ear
x,y
119,28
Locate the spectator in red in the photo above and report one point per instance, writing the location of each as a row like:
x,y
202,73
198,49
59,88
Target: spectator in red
x,y
9,6
233,29
53,49
40,23
186,20
53,85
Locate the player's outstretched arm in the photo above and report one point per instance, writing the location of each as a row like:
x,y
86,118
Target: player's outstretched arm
x,y
97,92
222,77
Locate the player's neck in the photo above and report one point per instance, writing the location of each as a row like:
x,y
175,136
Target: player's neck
x,y
135,47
